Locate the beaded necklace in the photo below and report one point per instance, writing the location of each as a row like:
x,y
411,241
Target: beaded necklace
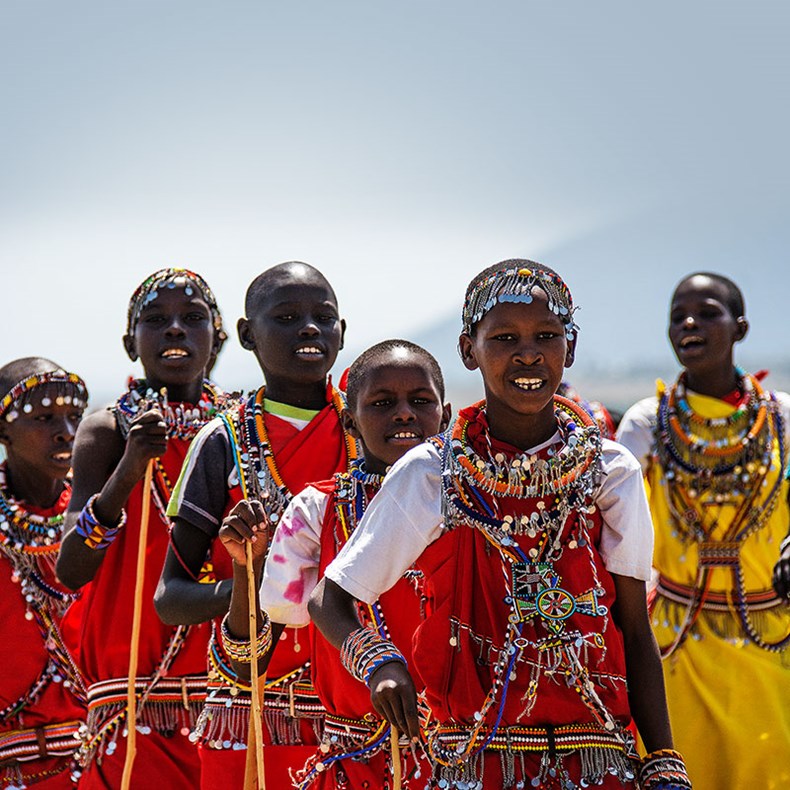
x,y
724,462
561,487
31,544
183,420
256,463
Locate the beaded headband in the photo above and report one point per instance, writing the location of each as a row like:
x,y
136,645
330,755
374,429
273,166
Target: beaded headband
x,y
148,290
514,283
71,390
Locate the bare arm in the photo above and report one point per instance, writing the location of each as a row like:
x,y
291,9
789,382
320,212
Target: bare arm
x,y
105,465
643,664
392,691
246,523
180,599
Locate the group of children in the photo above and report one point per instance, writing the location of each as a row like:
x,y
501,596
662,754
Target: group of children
x,y
494,600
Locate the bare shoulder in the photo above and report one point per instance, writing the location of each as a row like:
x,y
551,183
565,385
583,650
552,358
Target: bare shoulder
x,y
98,445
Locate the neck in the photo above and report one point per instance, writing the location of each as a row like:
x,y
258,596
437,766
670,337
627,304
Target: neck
x,y
713,383
375,466
302,396
29,485
523,431
178,393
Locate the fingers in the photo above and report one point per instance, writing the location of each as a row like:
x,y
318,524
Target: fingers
x,y
148,434
395,699
782,578
245,522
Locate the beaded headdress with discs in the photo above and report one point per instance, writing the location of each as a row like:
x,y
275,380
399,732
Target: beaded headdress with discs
x,y
514,281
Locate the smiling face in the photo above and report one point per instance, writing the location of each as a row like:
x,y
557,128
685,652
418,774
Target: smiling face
x,y
702,327
521,351
294,329
174,337
40,439
397,407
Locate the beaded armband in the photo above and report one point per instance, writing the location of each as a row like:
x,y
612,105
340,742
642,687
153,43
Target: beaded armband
x,y
664,770
94,534
364,651
240,650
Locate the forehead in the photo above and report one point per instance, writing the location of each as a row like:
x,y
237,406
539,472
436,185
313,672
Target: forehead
x,y
700,289
522,313
289,292
400,370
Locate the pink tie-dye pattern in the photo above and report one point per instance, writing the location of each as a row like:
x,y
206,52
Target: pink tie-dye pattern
x,y
278,558
294,592
286,530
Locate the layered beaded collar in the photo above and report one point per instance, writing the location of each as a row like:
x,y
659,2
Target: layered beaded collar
x,y
183,420
719,455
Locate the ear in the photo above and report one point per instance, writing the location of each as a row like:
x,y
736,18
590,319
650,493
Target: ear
x,y
466,350
130,346
349,426
570,353
342,334
447,413
245,334
741,328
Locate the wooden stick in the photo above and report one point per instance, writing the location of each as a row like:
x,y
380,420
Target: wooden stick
x,y
134,648
255,734
396,766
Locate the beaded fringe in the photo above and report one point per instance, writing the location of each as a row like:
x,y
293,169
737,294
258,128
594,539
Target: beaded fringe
x,y
224,724
723,624
105,723
596,763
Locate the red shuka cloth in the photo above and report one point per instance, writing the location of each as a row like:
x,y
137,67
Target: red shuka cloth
x,y
23,656
314,453
101,623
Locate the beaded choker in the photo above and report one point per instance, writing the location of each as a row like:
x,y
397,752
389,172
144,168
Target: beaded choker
x,y
183,420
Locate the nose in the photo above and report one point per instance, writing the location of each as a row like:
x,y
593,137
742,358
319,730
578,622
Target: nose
x,y
309,328
175,328
689,321
528,354
65,429
404,412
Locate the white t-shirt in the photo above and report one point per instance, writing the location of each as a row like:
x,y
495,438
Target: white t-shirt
x,y
405,518
291,571
638,426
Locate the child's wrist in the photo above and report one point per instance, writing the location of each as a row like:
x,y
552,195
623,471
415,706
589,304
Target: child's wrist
x,y
240,650
94,534
664,769
364,651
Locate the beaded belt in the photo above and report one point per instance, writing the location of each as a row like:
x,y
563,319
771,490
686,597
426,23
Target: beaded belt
x,y
715,601
342,727
566,738
187,691
52,740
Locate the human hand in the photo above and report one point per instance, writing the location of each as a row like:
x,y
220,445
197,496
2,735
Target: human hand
x,y
782,572
246,522
147,439
394,697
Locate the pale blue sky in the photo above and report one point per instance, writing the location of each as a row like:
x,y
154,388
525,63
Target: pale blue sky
x,y
398,147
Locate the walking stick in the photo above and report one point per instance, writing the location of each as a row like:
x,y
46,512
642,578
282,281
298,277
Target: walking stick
x,y
131,697
396,766
255,734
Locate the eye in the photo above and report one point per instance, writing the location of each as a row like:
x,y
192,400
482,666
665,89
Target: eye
x,y
382,402
196,317
284,318
504,336
154,318
326,318
550,335
422,401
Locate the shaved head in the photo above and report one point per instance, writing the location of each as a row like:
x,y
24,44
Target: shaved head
x,y
288,273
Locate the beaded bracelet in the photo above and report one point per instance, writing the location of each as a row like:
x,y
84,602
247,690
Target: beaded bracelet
x,y
364,651
240,650
664,769
94,534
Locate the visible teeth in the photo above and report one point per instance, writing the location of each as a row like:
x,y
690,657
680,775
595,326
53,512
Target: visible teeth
x,y
689,340
308,350
174,352
529,384
405,435
62,456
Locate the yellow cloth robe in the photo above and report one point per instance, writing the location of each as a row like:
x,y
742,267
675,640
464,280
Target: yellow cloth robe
x,y
729,699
